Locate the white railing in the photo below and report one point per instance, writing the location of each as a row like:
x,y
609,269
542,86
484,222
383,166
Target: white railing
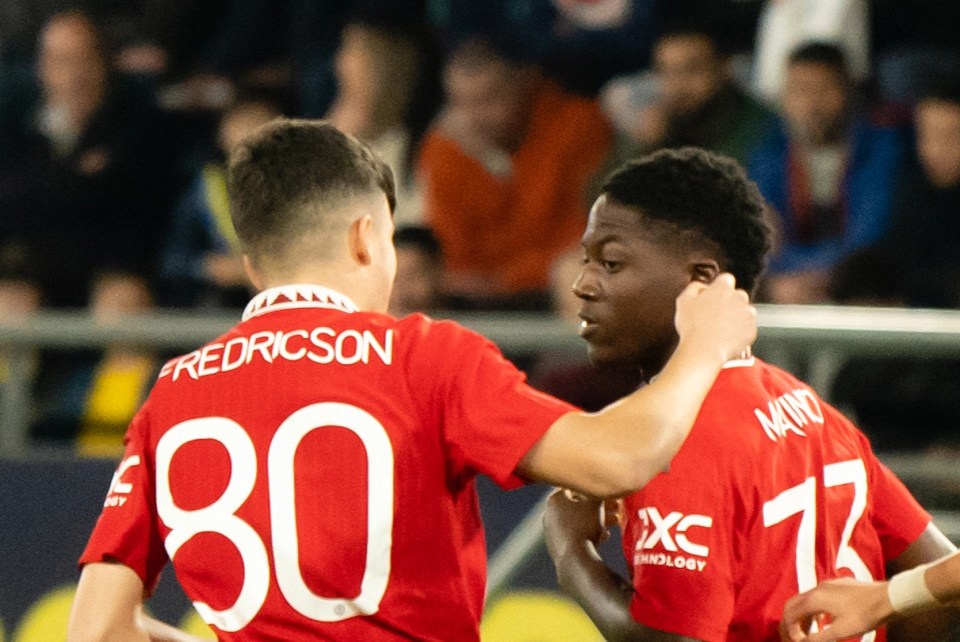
x,y
818,338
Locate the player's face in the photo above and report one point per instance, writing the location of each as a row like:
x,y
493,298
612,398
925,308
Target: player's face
x,y
627,287
689,71
815,102
938,141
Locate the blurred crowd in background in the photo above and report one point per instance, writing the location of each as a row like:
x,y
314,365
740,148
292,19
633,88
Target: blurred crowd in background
x,y
500,119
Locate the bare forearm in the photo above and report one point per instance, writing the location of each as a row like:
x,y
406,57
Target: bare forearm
x,y
943,579
160,632
603,595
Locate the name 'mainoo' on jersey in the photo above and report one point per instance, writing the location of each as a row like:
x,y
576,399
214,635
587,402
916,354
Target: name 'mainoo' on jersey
x,y
321,345
789,413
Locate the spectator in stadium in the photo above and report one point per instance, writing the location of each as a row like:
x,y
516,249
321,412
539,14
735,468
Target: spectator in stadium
x,y
504,172
925,221
378,72
915,264
84,170
787,24
886,393
416,410
914,45
200,263
20,298
827,173
689,99
88,399
697,535
201,52
579,43
419,283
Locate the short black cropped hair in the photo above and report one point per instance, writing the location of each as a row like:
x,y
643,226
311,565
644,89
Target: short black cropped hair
x,y
821,53
288,176
692,189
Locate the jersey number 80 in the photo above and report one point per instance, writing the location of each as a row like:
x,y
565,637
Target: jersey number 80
x,y
220,516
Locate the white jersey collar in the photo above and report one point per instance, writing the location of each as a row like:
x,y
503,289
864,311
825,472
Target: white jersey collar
x,y
745,360
301,295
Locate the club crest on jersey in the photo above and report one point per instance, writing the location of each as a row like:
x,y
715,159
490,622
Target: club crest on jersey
x,y
668,540
788,413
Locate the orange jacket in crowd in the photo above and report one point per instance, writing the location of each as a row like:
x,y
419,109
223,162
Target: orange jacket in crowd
x,y
506,229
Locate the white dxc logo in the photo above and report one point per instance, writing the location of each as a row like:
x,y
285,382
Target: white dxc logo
x,y
651,518
119,487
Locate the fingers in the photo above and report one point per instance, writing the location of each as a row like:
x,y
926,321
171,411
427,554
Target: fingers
x,y
724,282
725,279
799,614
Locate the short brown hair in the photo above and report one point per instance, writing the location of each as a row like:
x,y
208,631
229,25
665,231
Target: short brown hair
x,y
291,176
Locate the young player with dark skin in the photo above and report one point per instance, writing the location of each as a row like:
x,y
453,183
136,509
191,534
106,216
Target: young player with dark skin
x,y
714,543
318,406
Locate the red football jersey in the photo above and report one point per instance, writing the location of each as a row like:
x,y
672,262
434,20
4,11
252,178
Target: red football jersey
x,y
773,492
311,472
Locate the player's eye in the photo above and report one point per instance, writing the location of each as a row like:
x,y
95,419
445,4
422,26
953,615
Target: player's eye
x,y
611,266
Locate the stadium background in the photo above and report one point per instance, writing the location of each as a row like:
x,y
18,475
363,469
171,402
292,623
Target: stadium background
x,y
48,502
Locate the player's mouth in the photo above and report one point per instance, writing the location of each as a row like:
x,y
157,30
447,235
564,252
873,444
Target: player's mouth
x,y
587,327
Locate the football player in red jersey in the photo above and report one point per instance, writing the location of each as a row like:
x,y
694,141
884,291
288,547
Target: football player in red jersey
x,y
773,489
310,473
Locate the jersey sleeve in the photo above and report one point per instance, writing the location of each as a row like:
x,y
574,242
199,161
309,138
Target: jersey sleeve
x,y
126,530
897,517
491,415
679,543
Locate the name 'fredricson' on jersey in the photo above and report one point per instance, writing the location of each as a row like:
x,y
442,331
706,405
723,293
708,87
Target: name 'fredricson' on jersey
x,y
321,345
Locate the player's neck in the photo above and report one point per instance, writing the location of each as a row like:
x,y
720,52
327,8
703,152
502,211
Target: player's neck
x,y
345,283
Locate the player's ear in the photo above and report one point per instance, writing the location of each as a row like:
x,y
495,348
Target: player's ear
x,y
252,273
360,239
704,270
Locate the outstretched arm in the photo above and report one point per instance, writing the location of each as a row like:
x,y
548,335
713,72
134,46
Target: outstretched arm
x,y
857,607
616,451
108,607
573,530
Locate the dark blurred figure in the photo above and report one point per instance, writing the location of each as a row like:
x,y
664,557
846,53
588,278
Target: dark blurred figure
x,y
914,43
89,398
200,51
827,173
419,283
85,173
20,293
690,98
908,403
901,403
579,43
200,263
505,170
925,226
379,71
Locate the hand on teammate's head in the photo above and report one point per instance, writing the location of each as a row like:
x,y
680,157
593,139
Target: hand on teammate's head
x,y
718,315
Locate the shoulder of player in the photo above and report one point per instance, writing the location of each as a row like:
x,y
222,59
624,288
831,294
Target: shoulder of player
x,y
443,339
